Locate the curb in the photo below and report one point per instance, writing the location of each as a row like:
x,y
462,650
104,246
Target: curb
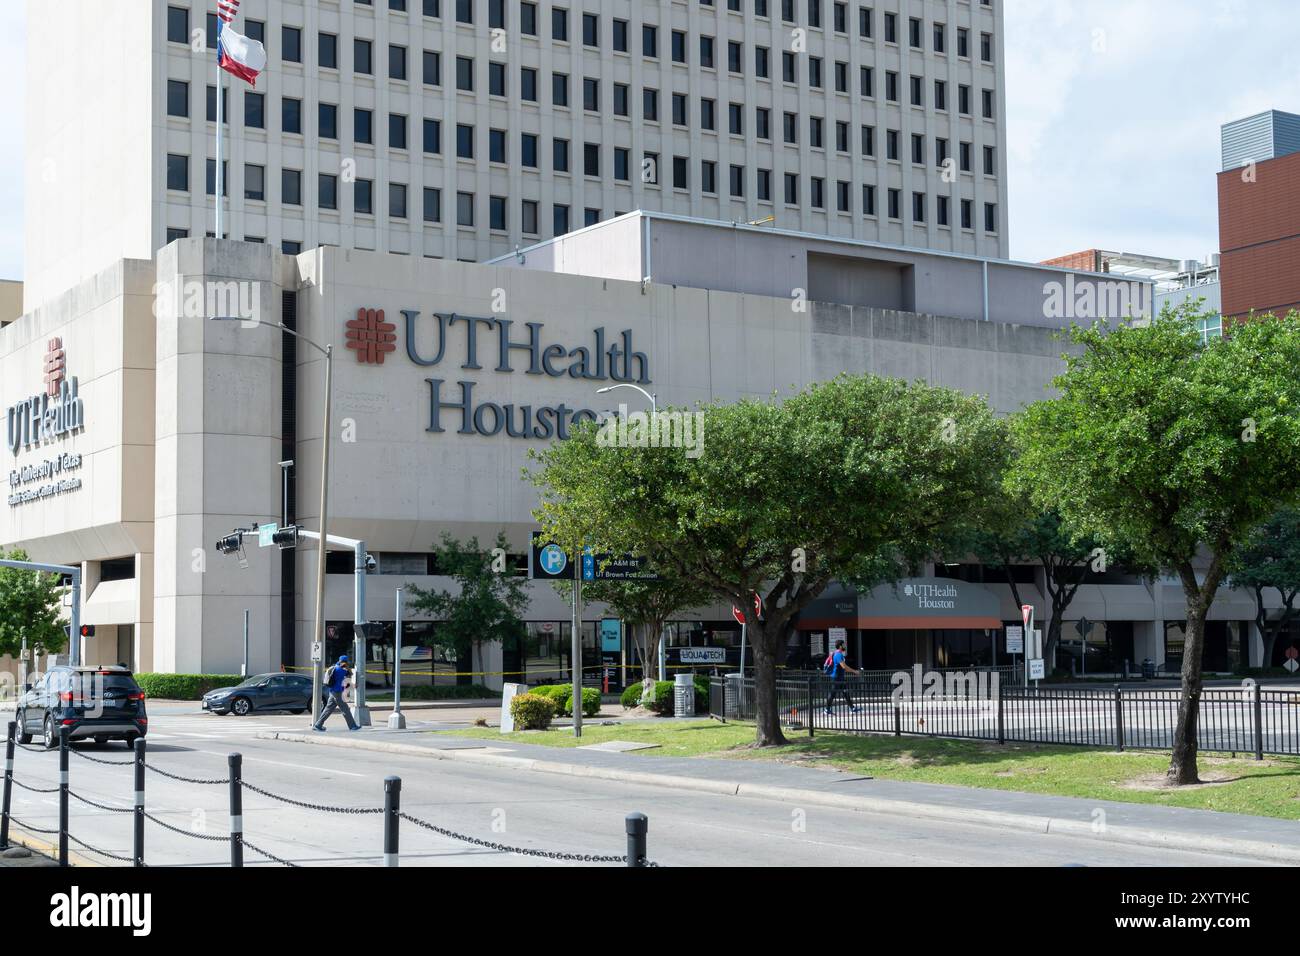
x,y
1028,822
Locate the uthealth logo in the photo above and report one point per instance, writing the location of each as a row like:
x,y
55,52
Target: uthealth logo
x,y
371,337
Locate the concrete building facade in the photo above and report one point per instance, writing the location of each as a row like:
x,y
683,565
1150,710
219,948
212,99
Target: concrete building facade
x,y
183,422
462,129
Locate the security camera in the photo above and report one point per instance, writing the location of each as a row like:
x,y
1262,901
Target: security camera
x,y
371,563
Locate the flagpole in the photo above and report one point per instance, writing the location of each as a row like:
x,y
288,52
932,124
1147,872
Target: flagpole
x,y
216,176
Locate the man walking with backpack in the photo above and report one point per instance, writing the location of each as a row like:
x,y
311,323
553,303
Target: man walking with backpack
x,y
335,679
835,666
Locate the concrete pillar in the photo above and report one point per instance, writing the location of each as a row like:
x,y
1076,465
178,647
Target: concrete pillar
x,y
218,430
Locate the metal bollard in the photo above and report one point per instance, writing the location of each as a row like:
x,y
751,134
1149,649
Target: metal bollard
x,y
1259,723
63,796
236,810
637,826
9,783
139,802
1119,718
392,806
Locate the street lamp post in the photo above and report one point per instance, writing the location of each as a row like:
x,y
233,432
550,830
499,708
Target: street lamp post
x,y
654,404
318,633
654,412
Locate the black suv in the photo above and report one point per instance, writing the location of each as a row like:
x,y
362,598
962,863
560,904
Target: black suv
x,y
103,703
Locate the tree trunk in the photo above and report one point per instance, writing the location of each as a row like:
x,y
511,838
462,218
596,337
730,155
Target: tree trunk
x,y
1182,763
767,719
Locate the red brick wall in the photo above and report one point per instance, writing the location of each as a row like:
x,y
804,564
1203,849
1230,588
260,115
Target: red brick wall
x,y
1259,237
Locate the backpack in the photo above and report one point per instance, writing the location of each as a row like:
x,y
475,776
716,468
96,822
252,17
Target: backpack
x,y
329,676
828,666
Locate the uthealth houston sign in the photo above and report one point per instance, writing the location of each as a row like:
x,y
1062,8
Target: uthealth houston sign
x,y
57,411
505,346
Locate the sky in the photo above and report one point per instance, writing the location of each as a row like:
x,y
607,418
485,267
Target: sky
x,y
1113,115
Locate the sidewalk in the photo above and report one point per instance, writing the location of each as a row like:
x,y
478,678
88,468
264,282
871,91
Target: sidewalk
x,y
1264,838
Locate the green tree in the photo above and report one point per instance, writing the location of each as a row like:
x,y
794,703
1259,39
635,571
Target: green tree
x,y
1270,558
30,605
1172,449
834,482
644,606
1021,533
486,606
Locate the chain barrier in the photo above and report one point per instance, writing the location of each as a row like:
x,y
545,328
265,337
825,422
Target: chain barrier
x,y
18,783
269,856
111,856
111,763
188,833
310,806
35,750
101,806
28,826
176,776
503,848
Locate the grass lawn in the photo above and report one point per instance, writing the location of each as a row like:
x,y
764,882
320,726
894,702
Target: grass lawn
x,y
1267,788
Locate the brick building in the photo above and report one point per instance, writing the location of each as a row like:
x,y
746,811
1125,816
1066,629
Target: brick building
x,y
1259,214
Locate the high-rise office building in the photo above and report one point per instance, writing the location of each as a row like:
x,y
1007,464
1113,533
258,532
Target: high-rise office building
x,y
461,129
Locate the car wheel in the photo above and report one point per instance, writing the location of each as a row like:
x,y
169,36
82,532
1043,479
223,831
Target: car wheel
x,y
298,711
21,720
130,741
50,740
100,741
240,706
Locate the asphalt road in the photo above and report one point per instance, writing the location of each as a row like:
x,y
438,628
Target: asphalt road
x,y
533,810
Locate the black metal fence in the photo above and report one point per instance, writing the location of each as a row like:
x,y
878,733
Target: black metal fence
x,y
1247,719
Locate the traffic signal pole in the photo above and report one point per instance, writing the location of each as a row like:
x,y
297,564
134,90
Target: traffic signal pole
x,y
74,633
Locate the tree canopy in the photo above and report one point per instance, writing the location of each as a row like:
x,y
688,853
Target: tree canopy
x,y
30,605
1169,447
845,479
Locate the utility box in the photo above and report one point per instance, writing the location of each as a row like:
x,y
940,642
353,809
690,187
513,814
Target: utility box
x,y
684,695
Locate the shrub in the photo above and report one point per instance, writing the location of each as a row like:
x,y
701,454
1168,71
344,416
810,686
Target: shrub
x,y
183,686
631,695
558,694
662,704
532,711
590,702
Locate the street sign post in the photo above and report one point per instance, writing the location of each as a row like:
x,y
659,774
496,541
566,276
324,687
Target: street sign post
x,y
1290,663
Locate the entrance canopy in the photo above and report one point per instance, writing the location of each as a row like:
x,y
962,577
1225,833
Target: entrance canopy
x,y
919,603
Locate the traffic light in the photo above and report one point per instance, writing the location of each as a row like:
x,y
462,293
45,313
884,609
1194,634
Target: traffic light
x,y
286,537
230,544
87,630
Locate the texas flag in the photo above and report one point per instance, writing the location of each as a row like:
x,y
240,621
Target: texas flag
x,y
237,54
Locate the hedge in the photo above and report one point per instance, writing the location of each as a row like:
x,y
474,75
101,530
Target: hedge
x,y
532,711
183,686
562,696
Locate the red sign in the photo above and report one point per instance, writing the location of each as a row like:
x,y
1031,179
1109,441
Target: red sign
x,y
54,366
1026,614
371,337
758,609
1292,653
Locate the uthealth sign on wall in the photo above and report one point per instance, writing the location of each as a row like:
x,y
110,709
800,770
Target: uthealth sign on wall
x,y
499,345
58,411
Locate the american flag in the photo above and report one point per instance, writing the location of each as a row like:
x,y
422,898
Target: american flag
x,y
227,10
